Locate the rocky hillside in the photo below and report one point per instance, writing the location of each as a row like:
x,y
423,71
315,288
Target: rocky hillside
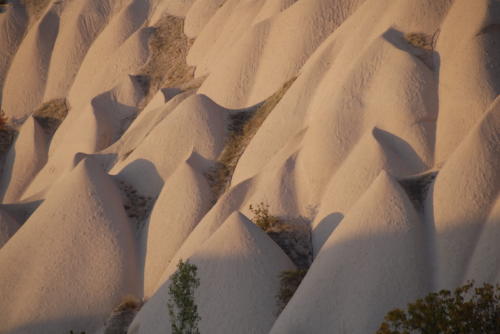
x,y
354,141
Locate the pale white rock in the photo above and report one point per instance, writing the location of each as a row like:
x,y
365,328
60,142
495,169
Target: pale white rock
x,y
178,8
363,98
374,261
184,200
464,192
13,24
8,226
119,50
24,160
25,82
155,111
376,151
225,206
245,62
468,72
80,24
89,130
238,268
199,15
482,266
363,75
78,258
196,126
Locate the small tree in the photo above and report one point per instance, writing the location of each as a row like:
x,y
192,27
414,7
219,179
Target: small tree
x,y
182,309
445,312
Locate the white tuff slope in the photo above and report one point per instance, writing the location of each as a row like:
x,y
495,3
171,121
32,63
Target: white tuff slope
x,y
78,258
382,225
238,267
383,96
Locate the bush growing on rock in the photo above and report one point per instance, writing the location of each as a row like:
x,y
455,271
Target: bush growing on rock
x,y
463,311
262,217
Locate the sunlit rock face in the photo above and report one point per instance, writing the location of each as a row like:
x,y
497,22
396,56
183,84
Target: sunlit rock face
x,y
355,140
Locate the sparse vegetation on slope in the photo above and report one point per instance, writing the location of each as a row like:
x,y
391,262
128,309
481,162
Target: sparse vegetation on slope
x,y
294,238
419,40
182,308
262,217
137,206
166,66
35,8
242,128
462,311
294,241
7,133
425,44
417,186
122,315
289,283
51,114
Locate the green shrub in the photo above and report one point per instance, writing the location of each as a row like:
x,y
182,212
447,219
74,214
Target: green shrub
x,y
182,308
463,311
289,283
262,217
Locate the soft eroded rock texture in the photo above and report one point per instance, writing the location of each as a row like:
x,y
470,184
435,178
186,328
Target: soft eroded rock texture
x,y
238,267
368,129
72,261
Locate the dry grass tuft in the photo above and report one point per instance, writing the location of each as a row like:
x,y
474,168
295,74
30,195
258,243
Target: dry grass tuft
x,y
51,114
424,47
128,303
242,128
420,40
122,315
166,66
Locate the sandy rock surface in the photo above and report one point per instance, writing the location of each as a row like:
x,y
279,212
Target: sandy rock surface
x,y
138,133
